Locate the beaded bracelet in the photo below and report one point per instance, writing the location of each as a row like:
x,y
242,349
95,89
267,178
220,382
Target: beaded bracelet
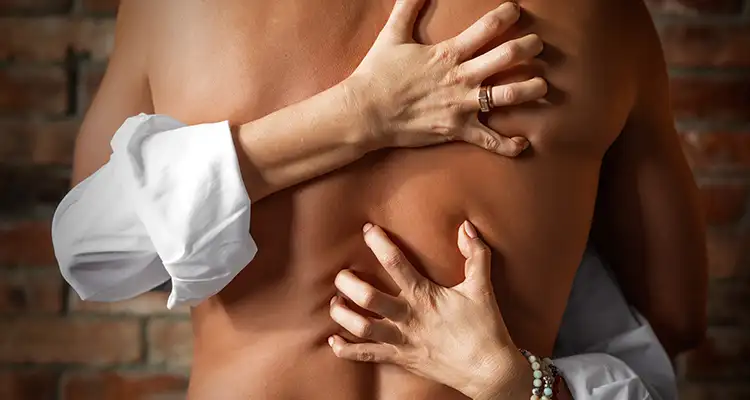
x,y
546,377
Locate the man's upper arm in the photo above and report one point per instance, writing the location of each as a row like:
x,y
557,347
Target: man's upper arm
x,y
124,91
648,222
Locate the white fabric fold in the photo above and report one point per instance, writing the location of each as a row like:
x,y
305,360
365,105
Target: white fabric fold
x,y
169,204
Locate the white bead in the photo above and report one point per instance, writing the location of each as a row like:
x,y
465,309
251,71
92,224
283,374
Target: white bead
x,y
534,397
535,366
544,398
532,359
537,383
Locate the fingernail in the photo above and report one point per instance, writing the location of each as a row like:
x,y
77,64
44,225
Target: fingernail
x,y
333,300
330,341
470,230
367,227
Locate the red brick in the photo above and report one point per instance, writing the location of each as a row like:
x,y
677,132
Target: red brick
x,y
70,340
30,291
692,45
27,243
94,37
713,391
727,300
170,342
28,385
695,7
33,38
152,303
33,90
49,38
35,6
711,97
101,6
723,356
717,150
28,189
91,77
728,253
124,386
38,142
725,203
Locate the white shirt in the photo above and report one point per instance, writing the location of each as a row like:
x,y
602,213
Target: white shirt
x,y
171,205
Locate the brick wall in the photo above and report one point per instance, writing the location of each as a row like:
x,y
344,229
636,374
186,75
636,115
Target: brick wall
x,y
52,346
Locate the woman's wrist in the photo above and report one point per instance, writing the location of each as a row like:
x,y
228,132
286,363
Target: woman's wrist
x,y
369,110
506,375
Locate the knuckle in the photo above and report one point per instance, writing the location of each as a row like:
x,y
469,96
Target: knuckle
x,y
535,40
365,356
368,298
492,22
455,77
445,54
490,143
509,51
365,329
393,260
447,127
422,294
482,248
482,252
509,94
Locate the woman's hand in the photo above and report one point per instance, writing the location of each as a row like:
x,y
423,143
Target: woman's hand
x,y
418,95
455,336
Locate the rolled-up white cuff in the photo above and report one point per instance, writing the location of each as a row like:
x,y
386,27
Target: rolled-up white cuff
x,y
170,204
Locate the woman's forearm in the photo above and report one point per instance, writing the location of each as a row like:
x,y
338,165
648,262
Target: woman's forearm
x,y
302,141
402,94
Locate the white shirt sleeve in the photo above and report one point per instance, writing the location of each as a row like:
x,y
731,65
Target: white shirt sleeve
x,y
169,205
598,376
629,366
605,349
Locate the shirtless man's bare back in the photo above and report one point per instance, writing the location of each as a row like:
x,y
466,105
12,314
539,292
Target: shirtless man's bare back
x,y
264,336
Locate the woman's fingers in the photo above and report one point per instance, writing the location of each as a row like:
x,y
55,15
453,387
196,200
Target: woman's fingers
x,y
478,256
484,137
367,352
518,92
502,57
509,94
400,24
366,296
489,27
392,259
378,330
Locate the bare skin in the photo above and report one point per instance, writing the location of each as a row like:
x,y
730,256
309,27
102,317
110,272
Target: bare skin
x,y
265,335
